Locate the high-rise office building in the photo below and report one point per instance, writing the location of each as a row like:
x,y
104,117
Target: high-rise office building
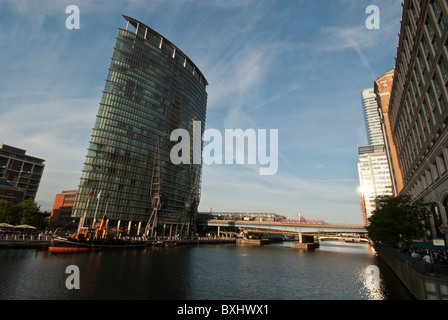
x,y
151,89
373,166
418,106
373,124
374,178
22,170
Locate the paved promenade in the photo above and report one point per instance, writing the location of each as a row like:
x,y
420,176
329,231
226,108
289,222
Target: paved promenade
x,y
42,241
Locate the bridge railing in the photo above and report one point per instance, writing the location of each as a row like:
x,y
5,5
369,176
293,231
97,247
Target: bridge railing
x,y
301,221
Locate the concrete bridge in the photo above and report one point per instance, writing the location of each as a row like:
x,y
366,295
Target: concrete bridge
x,y
285,226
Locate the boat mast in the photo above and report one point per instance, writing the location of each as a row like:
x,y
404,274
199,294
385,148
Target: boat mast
x,y
83,218
156,195
96,210
191,207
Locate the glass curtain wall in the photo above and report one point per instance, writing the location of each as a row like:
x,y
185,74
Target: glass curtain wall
x,y
151,89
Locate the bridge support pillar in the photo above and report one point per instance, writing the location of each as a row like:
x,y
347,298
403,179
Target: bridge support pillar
x,y
305,242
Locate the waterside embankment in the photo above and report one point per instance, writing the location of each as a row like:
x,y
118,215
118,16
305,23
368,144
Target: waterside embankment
x,y
422,280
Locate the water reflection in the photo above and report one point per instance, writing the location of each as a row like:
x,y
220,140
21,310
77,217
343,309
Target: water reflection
x,y
336,270
372,285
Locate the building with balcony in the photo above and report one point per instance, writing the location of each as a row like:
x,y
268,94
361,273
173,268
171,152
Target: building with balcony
x,y
23,171
10,192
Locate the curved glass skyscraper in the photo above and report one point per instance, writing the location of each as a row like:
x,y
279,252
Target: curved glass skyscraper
x,y
151,89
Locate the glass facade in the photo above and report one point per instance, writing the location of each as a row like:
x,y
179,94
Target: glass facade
x,y
373,123
373,166
374,177
151,89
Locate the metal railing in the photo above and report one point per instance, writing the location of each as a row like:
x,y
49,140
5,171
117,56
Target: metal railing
x,y
437,268
24,237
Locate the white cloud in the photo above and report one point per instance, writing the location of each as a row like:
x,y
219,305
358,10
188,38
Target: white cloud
x,y
283,193
56,131
269,65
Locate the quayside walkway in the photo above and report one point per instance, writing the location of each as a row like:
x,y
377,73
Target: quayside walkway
x,y
424,281
24,241
36,241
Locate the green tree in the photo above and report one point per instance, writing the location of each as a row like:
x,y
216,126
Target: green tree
x,y
9,212
398,220
26,212
30,213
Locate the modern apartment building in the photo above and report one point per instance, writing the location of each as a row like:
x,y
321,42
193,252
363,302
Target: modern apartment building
x,y
151,89
21,170
10,192
418,107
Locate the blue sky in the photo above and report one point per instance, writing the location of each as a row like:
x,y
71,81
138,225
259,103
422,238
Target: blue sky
x,y
298,66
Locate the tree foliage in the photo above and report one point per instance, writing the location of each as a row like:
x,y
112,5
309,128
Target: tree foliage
x,y
398,220
25,212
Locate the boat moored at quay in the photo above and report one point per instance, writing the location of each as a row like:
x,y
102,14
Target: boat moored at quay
x,y
86,239
73,244
100,238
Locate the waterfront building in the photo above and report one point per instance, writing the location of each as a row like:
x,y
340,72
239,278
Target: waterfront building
x,y
418,106
373,166
382,89
23,171
151,89
61,214
374,178
10,192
